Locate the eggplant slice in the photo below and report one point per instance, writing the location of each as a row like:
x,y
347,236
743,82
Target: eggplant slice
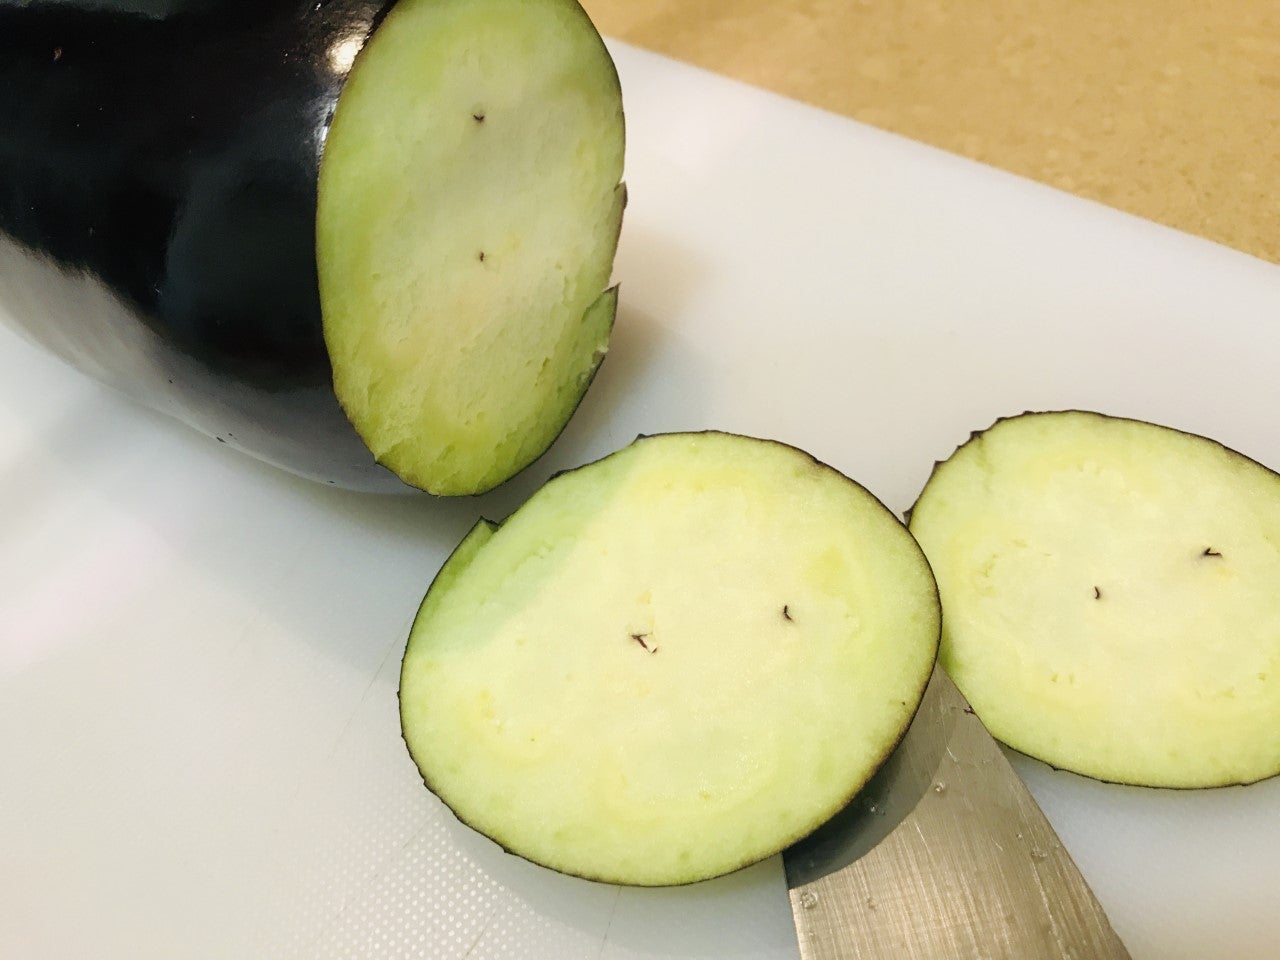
x,y
1111,596
670,663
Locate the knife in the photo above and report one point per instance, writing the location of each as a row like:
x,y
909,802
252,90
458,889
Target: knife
x,y
944,855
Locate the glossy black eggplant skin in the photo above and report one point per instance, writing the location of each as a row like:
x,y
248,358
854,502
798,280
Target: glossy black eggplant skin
x,y
158,170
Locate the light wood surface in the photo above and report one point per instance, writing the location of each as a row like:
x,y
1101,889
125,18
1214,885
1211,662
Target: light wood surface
x,y
1169,109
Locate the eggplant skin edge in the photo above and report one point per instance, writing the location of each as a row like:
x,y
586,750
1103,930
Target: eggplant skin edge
x,y
159,163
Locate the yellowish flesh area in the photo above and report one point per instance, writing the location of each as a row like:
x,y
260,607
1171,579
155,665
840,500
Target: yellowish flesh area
x,y
1112,597
671,663
468,216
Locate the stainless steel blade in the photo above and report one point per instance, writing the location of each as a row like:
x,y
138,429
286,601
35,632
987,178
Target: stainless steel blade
x,y
946,856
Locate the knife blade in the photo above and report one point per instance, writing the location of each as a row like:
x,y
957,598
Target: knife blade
x,y
944,854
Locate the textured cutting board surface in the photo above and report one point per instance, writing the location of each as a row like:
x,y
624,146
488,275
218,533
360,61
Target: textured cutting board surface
x,y
199,750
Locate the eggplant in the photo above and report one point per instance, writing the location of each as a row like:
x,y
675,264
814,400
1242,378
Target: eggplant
x,y
670,663
365,241
1109,596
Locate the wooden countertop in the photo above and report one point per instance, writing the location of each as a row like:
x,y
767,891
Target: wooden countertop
x,y
1169,109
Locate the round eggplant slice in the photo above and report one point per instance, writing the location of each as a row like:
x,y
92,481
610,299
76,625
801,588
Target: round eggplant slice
x,y
670,663
1111,596
277,221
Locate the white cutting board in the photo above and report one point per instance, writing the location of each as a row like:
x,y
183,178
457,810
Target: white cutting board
x,y
199,750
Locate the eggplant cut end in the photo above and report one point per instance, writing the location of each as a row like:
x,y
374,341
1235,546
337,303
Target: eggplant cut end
x,y
470,202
